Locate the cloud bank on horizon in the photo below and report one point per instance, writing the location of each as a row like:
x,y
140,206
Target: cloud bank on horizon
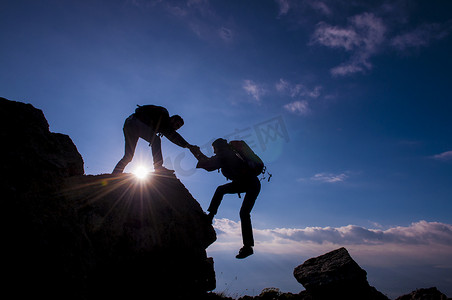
x,y
422,242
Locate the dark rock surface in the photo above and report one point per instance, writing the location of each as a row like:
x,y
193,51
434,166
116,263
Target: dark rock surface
x,y
71,236
424,294
30,152
335,275
144,235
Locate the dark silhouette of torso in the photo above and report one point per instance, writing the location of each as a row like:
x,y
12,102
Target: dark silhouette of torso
x,y
232,167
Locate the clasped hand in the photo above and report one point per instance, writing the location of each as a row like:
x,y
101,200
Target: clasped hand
x,y
196,151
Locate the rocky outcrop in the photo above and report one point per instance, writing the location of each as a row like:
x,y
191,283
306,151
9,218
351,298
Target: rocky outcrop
x,y
335,275
72,236
30,153
146,237
424,294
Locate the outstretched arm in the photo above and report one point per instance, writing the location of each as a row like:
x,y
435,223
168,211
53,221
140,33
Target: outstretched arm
x,y
208,163
176,138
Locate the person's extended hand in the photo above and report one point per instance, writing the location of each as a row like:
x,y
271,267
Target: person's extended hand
x,y
196,151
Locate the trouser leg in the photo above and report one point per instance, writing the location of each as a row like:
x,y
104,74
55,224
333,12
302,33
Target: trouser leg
x,y
228,188
131,140
252,192
156,147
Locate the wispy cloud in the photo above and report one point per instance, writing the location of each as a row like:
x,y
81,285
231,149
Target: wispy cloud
x,y
253,89
283,7
199,15
336,37
319,6
226,34
329,177
297,90
445,156
300,92
366,34
282,85
428,241
298,107
362,38
422,36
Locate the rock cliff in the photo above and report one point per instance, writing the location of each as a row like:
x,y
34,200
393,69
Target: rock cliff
x,y
72,236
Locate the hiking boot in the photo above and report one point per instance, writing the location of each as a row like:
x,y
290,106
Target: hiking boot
x,y
163,170
245,251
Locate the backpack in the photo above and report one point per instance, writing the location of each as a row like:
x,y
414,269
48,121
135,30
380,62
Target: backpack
x,y
149,109
246,154
151,115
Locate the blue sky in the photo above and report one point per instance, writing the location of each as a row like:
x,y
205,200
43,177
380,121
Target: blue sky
x,y
347,102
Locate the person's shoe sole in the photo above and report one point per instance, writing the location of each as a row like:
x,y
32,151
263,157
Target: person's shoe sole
x,y
244,255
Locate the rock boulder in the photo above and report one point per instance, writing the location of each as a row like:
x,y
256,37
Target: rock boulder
x,y
424,294
335,275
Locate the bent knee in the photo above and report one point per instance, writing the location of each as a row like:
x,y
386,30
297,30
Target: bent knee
x,y
127,158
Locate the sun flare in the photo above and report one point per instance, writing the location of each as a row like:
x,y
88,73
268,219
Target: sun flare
x,y
141,172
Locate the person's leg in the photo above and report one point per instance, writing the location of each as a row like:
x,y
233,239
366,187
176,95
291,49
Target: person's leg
x,y
155,142
156,147
228,188
131,139
252,191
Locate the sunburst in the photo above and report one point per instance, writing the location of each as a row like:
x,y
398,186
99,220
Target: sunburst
x,y
141,172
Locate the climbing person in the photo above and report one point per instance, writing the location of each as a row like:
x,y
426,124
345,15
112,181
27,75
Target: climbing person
x,y
236,165
150,122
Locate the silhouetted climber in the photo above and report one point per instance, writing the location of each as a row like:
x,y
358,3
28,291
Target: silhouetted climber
x,y
150,122
244,180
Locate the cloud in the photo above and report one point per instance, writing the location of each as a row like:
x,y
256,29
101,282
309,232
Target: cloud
x,y
298,107
282,85
362,38
420,242
329,177
367,33
445,156
199,16
226,34
254,90
283,7
319,6
422,36
297,90
420,233
335,37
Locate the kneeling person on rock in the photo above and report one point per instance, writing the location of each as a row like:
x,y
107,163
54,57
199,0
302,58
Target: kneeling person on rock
x,y
244,180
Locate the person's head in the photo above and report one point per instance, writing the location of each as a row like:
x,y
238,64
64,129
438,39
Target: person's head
x,y
176,122
219,144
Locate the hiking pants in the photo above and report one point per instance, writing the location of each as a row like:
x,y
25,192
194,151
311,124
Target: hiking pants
x,y
133,130
251,187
